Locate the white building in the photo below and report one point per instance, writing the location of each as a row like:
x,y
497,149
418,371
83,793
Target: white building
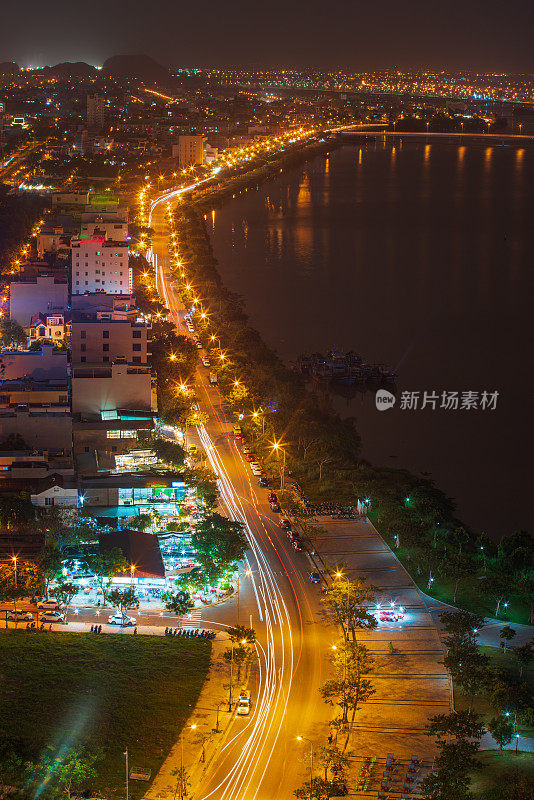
x,y
190,151
100,265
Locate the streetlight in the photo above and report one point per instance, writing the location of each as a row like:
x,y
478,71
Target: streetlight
x,y
344,577
127,771
276,446
14,559
183,785
305,739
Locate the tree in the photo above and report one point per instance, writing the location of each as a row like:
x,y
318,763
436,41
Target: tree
x,y
62,775
12,334
349,689
459,566
525,588
333,759
49,562
170,453
462,626
240,633
468,667
123,599
496,586
219,543
507,633
502,730
179,603
524,655
458,724
450,779
64,591
345,603
104,565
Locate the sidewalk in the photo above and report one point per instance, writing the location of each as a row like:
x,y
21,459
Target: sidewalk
x,y
204,717
85,627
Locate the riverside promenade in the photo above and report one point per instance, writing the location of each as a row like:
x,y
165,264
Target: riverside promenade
x,y
409,677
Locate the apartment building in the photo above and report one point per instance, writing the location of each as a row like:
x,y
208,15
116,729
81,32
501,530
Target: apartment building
x,y
100,265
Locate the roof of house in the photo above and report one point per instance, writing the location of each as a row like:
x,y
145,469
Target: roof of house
x,y
141,550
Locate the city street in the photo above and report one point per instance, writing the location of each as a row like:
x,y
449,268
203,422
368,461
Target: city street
x,y
276,600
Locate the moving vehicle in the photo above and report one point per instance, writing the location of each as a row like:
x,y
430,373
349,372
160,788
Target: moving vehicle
x,y
122,619
19,616
243,708
50,605
51,616
212,379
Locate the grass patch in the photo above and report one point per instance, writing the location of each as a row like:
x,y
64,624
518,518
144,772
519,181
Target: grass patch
x,y
106,693
504,775
507,663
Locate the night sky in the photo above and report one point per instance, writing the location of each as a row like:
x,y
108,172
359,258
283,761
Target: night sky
x,y
494,35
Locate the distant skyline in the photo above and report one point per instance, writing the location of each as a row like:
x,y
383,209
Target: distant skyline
x,y
349,34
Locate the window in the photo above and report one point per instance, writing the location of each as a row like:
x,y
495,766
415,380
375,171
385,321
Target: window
x,y
49,501
136,334
83,334
105,348
83,359
136,347
42,331
136,359
77,273
105,359
83,348
105,334
63,398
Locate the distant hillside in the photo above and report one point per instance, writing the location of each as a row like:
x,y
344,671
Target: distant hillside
x,y
68,69
141,67
9,68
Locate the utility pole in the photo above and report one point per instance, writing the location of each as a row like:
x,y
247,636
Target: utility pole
x,y
127,772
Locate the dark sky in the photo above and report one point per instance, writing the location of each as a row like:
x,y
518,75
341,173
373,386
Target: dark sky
x,y
490,35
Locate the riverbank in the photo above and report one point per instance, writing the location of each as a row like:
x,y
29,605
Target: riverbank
x,y
322,449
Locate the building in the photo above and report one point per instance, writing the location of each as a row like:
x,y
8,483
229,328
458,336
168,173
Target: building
x,y
106,388
141,551
56,490
45,293
48,363
52,327
48,395
109,438
96,106
110,224
127,494
100,265
53,239
101,337
43,429
67,199
190,151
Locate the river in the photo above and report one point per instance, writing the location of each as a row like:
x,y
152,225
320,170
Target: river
x,y
419,256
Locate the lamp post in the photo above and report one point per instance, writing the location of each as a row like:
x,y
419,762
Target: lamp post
x,y
14,559
344,577
276,446
305,739
127,771
183,785
345,660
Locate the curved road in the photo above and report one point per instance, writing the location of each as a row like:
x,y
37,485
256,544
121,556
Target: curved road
x,y
262,758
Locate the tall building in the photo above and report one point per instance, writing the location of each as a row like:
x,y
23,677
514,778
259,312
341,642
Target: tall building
x,y
190,151
111,224
101,338
100,265
95,111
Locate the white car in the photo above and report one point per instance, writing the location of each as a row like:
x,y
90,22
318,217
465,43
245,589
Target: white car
x,y
49,605
243,708
257,471
20,616
206,361
51,616
122,619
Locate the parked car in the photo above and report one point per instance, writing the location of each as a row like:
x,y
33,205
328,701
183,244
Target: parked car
x,y
206,362
285,524
250,456
122,619
314,577
272,497
50,605
244,694
275,507
51,616
19,616
297,544
263,481
246,449
257,470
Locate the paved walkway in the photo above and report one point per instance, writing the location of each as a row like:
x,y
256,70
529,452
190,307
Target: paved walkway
x,y
411,682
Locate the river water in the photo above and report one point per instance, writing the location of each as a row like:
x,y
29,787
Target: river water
x,y
419,256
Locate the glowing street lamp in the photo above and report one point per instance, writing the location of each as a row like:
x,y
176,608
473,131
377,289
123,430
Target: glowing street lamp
x,y
305,739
